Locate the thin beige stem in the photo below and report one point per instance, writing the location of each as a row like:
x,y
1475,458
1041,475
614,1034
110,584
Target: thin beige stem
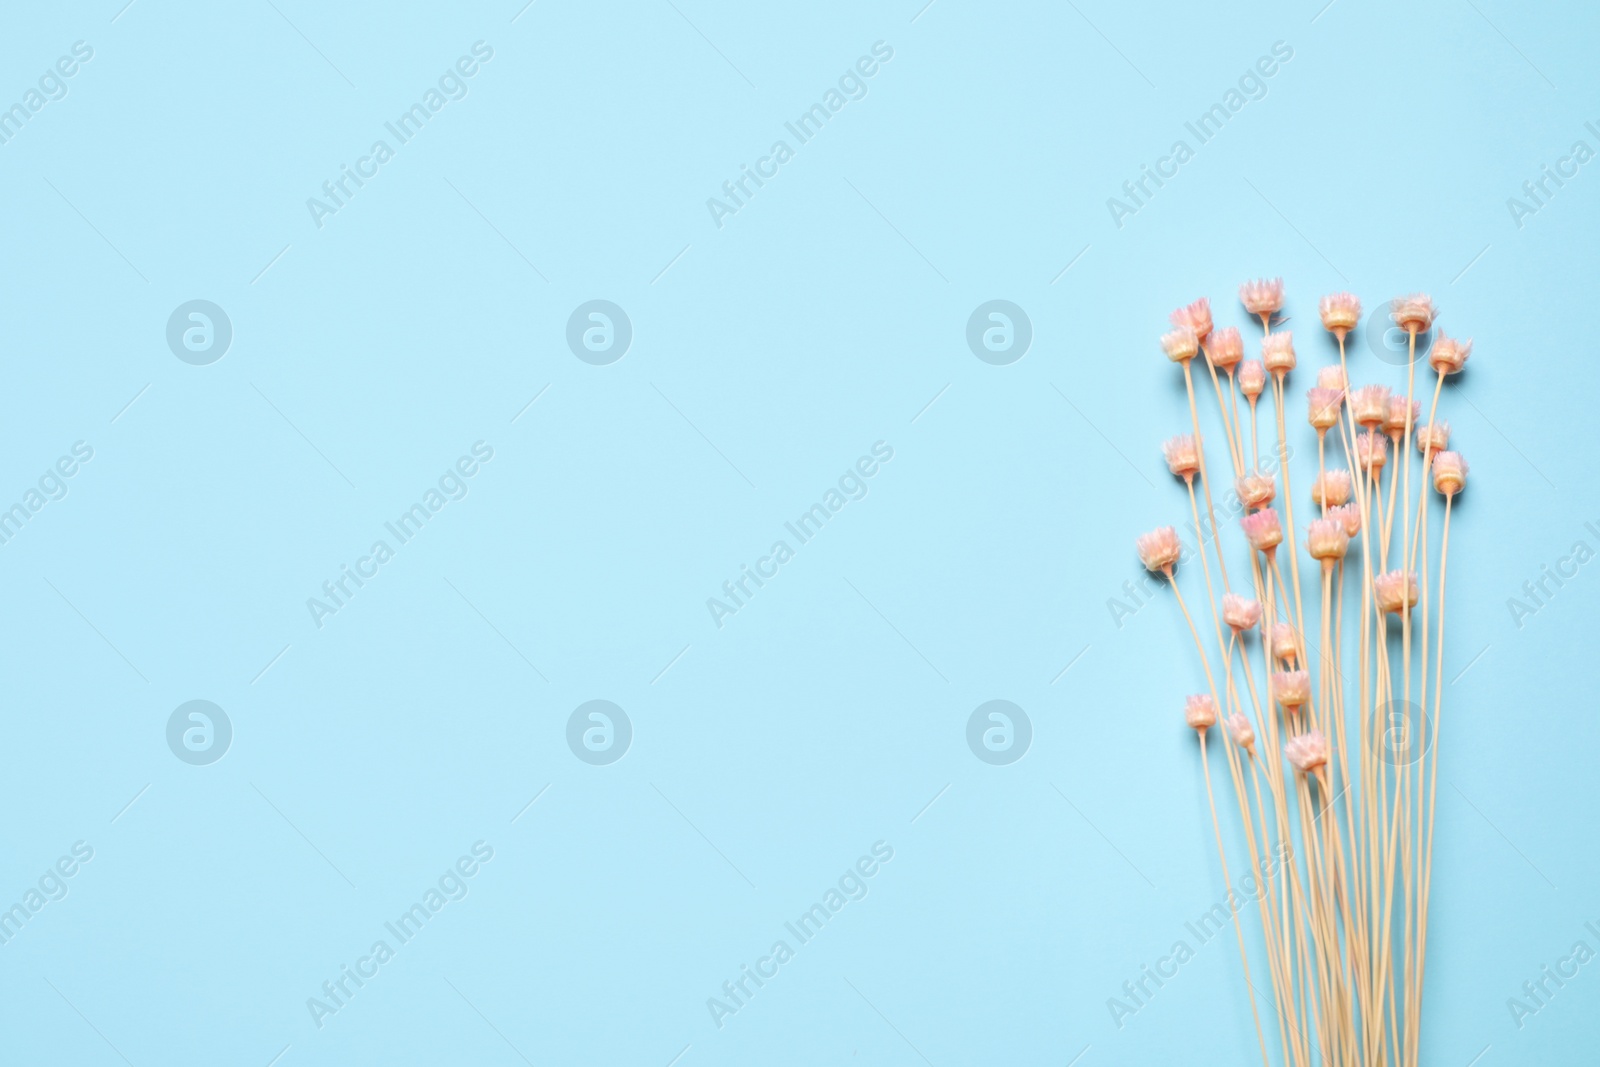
x,y
1238,930
1433,774
1228,428
1205,482
1427,462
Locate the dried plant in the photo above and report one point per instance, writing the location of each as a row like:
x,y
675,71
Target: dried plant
x,y
1341,782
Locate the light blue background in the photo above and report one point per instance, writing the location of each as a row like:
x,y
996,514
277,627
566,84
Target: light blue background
x,y
767,356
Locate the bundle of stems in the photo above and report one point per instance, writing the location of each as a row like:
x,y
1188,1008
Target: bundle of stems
x,y
1334,753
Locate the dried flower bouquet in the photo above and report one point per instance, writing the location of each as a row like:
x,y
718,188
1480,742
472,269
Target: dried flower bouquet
x,y
1334,753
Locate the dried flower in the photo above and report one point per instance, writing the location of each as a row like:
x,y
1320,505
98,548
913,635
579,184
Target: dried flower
x,y
1340,313
1180,345
1395,415
1449,473
1196,316
1413,314
1159,549
1374,426
1369,405
1322,407
1449,355
1326,540
1396,591
1331,488
1252,378
1226,348
1292,688
1240,613
1434,437
1243,735
1263,530
1372,451
1255,489
1308,751
1277,352
1349,515
1262,297
1285,642
1200,711
1183,456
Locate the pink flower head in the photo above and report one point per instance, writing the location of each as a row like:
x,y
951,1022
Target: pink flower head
x,y
1183,456
1398,414
1263,530
1449,355
1326,540
1292,688
1227,347
1277,352
1197,316
1159,549
1369,405
1331,488
1449,473
1240,613
1434,437
1285,642
1349,516
1308,751
1372,451
1413,314
1262,297
1252,378
1200,711
1180,345
1322,407
1331,377
1243,735
1340,313
1255,490
1396,591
